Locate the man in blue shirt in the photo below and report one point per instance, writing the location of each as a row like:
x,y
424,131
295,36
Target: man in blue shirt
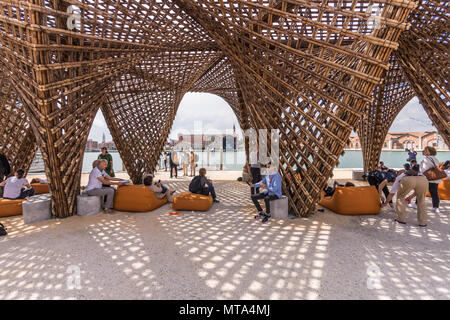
x,y
272,182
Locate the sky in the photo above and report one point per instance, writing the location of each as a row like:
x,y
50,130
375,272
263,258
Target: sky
x,y
214,115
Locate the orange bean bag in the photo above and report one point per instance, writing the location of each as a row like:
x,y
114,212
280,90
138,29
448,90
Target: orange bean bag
x,y
192,202
10,207
443,190
353,200
40,188
136,199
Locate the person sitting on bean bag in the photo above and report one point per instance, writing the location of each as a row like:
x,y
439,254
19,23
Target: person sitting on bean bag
x,y
17,187
159,189
329,191
39,180
202,185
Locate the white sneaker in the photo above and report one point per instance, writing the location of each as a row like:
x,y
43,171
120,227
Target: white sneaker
x,y
435,210
412,205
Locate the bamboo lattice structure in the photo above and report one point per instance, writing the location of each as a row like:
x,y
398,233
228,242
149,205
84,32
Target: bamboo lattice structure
x,y
309,69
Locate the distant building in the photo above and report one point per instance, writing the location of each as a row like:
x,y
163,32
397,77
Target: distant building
x,y
92,145
203,141
402,140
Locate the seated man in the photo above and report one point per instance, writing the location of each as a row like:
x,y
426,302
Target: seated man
x,y
329,191
100,184
159,189
272,182
202,185
17,186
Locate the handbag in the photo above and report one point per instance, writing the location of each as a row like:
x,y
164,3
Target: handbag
x,y
435,173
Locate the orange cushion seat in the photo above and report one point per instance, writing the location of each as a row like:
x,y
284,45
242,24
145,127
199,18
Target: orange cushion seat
x,y
40,188
10,207
353,200
443,190
136,199
192,202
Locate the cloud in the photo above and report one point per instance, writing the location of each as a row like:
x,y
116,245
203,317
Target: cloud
x,y
204,111
412,118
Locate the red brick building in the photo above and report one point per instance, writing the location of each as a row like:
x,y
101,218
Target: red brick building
x,y
402,140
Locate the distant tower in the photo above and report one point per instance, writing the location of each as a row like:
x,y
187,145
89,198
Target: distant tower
x,y
104,138
234,128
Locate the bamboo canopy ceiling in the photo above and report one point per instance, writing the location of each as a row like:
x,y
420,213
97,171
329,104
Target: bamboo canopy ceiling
x,y
314,70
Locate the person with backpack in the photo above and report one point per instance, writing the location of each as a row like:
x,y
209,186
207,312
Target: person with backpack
x,y
173,162
379,179
17,186
202,185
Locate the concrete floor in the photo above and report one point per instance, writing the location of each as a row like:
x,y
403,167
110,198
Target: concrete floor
x,y
226,254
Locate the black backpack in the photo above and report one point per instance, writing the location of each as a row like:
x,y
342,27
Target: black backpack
x,y
195,185
3,230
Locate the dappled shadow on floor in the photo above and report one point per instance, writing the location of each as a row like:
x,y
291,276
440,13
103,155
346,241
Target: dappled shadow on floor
x,y
226,254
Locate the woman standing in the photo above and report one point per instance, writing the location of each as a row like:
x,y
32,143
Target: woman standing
x,y
105,155
185,163
430,162
193,164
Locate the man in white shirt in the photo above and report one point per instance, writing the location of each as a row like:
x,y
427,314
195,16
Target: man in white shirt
x,y
17,187
97,179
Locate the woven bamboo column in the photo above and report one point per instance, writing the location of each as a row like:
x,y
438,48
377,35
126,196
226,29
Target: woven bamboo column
x,y
424,57
17,140
389,99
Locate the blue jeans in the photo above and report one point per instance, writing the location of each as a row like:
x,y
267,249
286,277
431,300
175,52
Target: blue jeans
x,y
206,191
213,192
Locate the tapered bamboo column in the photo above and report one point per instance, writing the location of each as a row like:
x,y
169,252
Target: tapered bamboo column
x,y
17,140
389,99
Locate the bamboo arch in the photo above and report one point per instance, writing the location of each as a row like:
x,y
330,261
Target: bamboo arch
x,y
306,68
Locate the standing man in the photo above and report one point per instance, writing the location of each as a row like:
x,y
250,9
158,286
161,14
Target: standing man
x,y
173,161
5,170
255,170
105,155
272,182
185,164
165,161
193,164
411,154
